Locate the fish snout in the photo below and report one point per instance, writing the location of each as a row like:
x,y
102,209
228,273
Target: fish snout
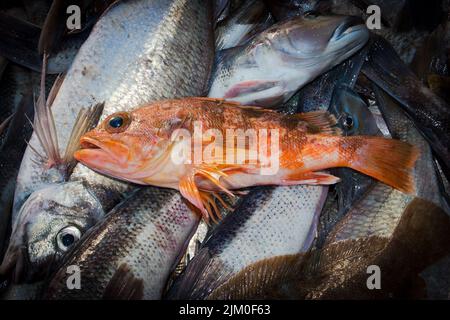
x,y
102,150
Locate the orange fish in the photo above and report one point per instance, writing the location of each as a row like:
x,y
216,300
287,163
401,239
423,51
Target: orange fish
x,y
221,146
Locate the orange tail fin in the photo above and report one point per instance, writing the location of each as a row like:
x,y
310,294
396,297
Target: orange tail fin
x,y
387,160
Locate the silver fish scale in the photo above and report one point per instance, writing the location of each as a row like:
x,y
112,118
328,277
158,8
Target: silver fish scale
x,y
379,211
146,233
269,222
138,52
376,215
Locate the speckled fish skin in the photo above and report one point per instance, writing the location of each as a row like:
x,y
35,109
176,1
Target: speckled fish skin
x,y
270,222
381,208
138,52
130,254
36,245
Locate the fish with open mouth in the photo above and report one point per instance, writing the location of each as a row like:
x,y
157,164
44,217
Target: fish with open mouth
x,y
131,253
275,64
148,52
144,146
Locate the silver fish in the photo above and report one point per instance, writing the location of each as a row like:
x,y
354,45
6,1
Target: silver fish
x,y
269,223
51,221
274,65
130,254
152,65
400,233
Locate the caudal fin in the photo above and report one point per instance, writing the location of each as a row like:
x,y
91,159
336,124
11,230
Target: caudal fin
x,y
388,160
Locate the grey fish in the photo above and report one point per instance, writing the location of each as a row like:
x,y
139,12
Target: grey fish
x,y
269,223
275,64
430,113
149,70
131,253
317,94
152,66
244,24
354,118
385,228
51,221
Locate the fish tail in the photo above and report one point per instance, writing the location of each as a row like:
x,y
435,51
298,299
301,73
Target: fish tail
x,y
388,160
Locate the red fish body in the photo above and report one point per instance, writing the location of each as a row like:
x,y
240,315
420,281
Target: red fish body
x,y
204,146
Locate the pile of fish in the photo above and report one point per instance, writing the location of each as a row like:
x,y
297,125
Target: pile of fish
x,y
93,207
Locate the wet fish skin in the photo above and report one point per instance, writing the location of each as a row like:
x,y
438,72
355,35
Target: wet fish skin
x,y
354,118
317,94
270,222
131,253
430,113
144,70
402,234
271,68
126,85
37,243
244,24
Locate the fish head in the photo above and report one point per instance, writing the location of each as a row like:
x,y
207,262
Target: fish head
x,y
127,145
285,57
316,40
50,222
352,113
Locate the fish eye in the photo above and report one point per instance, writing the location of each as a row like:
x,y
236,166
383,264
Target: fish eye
x,y
66,237
348,122
117,122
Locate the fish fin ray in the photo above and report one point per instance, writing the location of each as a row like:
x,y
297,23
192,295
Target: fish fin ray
x,y
204,199
86,120
44,124
388,160
324,121
310,178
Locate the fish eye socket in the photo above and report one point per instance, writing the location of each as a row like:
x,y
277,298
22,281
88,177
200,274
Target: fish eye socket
x,y
66,237
117,122
348,122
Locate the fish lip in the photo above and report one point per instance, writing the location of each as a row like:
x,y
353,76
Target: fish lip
x,y
89,143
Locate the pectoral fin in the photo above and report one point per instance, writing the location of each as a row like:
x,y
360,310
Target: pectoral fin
x,y
204,200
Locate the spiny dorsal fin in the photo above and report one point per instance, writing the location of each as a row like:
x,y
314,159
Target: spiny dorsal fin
x,y
45,128
324,121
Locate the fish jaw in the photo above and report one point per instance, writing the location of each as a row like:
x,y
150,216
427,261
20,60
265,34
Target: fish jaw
x,y
131,159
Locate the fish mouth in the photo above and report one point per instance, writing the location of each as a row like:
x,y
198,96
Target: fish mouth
x,y
347,27
96,152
